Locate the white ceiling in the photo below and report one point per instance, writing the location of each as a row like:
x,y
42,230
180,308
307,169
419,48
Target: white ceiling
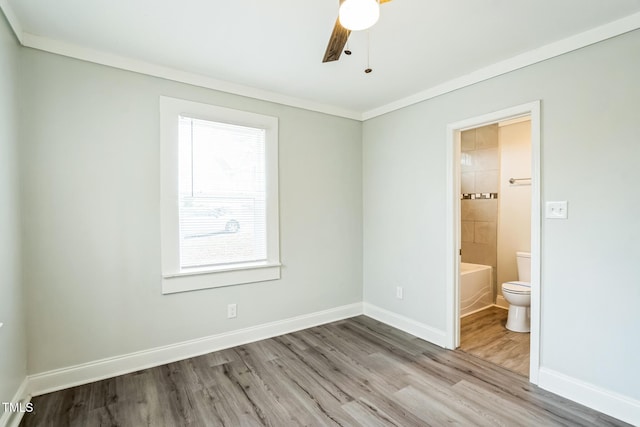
x,y
278,45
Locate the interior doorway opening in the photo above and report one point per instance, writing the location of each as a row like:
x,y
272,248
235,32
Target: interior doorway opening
x,y
495,214
475,249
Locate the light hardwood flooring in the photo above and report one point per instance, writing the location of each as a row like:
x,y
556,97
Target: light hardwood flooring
x,y
484,335
355,372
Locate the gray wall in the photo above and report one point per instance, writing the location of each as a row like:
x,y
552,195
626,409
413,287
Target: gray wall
x,y
90,176
12,334
90,212
590,153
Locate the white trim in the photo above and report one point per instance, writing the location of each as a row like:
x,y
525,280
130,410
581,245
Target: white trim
x,y
420,330
513,121
483,308
59,379
12,19
175,279
536,238
600,399
551,50
501,302
155,70
453,235
12,419
234,267
217,279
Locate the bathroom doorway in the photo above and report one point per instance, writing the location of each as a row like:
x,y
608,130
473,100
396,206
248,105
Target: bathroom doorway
x,y
494,212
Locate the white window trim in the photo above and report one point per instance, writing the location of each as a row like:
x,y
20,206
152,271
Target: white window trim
x,y
174,279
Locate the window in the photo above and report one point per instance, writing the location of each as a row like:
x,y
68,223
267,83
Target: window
x,y
219,191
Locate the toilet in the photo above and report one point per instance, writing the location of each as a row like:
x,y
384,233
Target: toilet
x,y
518,295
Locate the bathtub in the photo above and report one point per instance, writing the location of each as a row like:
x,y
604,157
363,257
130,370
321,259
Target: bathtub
x,y
475,287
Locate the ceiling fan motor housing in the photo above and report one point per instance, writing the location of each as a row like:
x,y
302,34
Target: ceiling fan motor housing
x,y
357,15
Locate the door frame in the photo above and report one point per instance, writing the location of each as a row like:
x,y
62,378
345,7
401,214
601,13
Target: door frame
x,y
453,234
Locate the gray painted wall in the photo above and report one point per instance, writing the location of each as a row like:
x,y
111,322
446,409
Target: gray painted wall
x,y
12,334
590,154
90,202
90,177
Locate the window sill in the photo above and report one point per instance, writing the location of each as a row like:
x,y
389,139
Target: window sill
x,y
197,279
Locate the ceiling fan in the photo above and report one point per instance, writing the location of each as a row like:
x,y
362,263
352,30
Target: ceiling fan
x,y
350,18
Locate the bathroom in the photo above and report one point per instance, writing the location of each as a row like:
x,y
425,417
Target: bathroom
x,y
495,212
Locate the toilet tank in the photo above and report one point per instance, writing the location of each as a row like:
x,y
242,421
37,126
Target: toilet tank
x,y
523,260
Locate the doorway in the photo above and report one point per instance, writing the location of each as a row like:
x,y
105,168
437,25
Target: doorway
x,y
455,230
495,215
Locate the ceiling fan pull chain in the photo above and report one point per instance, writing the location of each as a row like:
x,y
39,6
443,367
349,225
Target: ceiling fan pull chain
x,y
347,51
368,69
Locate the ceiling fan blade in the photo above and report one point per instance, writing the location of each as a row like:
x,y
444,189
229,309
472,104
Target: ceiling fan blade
x,y
337,41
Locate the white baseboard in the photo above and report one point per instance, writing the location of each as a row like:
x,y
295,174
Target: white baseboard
x,y
605,401
501,302
107,368
46,382
611,403
12,419
420,330
483,308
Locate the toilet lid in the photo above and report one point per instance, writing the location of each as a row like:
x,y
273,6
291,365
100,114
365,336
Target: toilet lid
x,y
517,287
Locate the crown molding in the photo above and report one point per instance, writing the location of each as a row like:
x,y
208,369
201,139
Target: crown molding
x,y
155,70
551,50
12,19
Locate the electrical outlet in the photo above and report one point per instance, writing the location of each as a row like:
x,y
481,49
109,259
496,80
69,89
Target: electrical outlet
x,y
399,292
232,311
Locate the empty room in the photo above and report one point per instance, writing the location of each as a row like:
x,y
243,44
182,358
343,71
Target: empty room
x,y
329,212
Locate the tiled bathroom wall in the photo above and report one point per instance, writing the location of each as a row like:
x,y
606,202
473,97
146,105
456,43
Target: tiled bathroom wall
x,y
480,167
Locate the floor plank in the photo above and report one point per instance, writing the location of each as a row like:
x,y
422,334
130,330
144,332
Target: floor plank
x,y
355,372
484,335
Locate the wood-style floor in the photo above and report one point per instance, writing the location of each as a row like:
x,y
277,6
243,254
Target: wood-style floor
x,y
356,372
484,335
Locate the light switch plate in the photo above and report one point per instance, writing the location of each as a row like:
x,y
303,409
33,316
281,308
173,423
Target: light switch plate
x,y
556,210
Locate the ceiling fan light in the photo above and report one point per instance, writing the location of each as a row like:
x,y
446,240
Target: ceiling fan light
x,y
356,15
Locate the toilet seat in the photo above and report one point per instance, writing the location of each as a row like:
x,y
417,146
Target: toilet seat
x,y
517,287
